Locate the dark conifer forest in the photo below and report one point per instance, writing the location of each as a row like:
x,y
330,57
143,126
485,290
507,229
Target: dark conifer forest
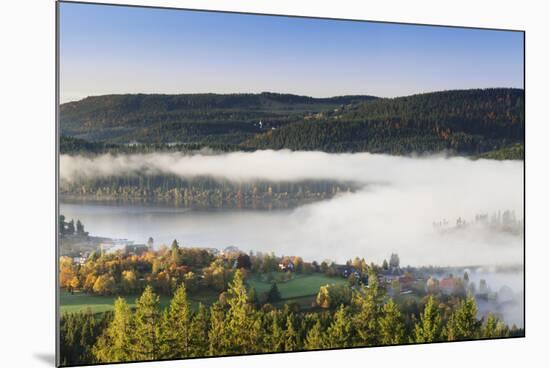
x,y
487,122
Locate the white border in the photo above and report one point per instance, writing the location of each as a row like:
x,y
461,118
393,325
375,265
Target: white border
x,y
27,183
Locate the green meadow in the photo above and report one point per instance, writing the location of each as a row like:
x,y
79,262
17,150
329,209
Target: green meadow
x,y
81,302
299,285
300,289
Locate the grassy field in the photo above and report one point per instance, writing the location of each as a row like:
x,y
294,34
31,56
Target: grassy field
x,y
298,286
300,289
80,302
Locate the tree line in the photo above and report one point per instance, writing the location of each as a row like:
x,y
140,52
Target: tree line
x,y
468,122
235,325
205,192
211,118
123,272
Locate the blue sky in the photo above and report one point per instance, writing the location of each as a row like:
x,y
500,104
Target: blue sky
x,y
109,49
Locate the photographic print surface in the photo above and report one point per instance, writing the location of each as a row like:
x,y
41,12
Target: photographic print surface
x,y
239,184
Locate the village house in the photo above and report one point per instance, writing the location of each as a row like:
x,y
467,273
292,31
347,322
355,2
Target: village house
x,y
286,265
447,285
406,281
347,271
387,278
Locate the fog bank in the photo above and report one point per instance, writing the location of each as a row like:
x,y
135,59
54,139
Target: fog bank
x,y
394,211
285,165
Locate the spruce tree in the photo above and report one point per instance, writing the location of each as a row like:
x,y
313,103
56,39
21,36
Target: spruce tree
x,y
338,333
430,326
273,295
177,326
217,331
314,338
391,325
70,227
274,340
366,320
463,324
199,332
493,328
243,326
115,344
87,336
175,254
291,337
147,341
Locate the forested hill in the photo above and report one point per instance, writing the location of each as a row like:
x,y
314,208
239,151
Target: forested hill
x,y
468,122
463,121
188,118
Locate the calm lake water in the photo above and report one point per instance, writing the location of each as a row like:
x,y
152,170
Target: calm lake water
x,y
138,222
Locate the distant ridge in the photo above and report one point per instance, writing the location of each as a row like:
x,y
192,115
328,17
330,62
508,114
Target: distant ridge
x,y
128,117
470,122
462,121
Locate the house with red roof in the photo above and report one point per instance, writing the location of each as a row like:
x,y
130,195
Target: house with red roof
x,y
447,285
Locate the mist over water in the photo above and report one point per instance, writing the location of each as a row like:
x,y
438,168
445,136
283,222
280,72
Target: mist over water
x,y
394,211
285,165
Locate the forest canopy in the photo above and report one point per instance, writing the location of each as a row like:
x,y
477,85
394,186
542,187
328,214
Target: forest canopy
x,y
466,122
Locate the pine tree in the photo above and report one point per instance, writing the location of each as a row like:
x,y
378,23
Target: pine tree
x,y
314,338
394,261
175,254
430,327
291,337
177,326
253,297
87,336
367,319
338,333
78,332
217,331
70,335
243,326
391,325
147,341
463,324
273,294
493,328
62,225
199,332
115,344
274,340
79,228
70,227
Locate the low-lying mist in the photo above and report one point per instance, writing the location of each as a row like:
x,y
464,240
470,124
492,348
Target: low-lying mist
x,y
394,211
